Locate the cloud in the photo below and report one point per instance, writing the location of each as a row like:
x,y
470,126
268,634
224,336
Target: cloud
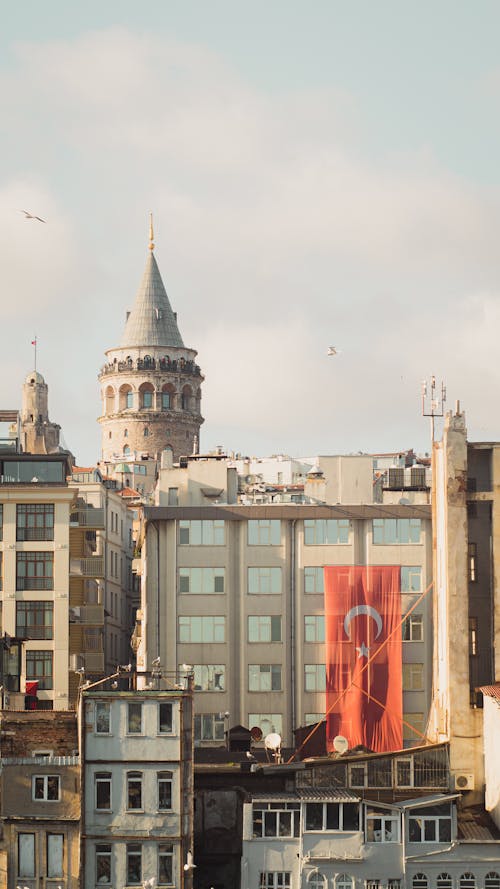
x,y
279,231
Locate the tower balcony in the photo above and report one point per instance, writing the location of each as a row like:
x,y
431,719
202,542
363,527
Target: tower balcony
x,y
166,364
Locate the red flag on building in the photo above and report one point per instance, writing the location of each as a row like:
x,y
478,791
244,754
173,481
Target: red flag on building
x,y
362,614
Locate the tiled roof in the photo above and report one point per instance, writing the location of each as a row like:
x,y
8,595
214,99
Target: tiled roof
x,y
151,321
308,794
491,691
475,823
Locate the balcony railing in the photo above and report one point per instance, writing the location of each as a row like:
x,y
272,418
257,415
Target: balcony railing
x,y
88,615
87,517
92,566
167,364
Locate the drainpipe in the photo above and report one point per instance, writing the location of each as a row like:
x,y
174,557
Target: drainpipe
x,y
157,529
292,625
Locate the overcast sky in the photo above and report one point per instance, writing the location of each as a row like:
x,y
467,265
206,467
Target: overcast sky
x,y
321,173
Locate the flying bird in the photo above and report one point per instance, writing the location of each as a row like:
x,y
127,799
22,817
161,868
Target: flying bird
x,y
332,351
31,216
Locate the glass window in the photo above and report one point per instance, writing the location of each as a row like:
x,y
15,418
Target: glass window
x,y
316,880
264,628
129,399
445,881
275,879
413,726
325,531
313,718
315,677
103,863
147,399
314,628
413,628
209,727
411,579
413,677
55,849
201,580
264,677
389,531
35,571
344,881
103,790
134,718
165,864
35,620
35,521
314,580
165,400
165,790
26,854
209,677
102,717
134,790
39,668
134,864
276,819
332,816
46,787
431,824
382,826
264,580
264,532
404,772
202,629
420,881
208,532
491,880
467,881
267,722
166,718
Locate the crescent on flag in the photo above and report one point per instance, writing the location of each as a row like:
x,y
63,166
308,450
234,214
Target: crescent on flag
x,y
362,609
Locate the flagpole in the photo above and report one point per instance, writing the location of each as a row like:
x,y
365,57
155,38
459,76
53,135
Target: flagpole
x,y
33,343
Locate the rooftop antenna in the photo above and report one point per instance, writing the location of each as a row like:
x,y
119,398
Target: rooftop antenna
x,y
151,233
433,401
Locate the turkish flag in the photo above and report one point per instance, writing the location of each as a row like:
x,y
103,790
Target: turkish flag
x,y
364,656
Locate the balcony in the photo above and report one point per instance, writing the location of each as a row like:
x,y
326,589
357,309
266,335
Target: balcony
x,y
87,517
94,661
87,615
92,566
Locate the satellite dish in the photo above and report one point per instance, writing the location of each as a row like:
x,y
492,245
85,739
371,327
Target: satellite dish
x,y
273,741
256,733
340,744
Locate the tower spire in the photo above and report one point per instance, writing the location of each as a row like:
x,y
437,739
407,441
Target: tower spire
x,y
151,233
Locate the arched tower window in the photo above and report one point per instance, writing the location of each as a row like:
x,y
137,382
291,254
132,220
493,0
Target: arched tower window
x,y
146,432
125,433
186,396
146,395
109,400
126,397
168,397
126,451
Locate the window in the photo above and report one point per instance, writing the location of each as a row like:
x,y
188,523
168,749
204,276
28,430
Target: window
x,y
394,883
420,881
102,717
387,531
413,628
201,580
39,668
35,521
313,718
209,532
165,864
134,864
35,571
271,879
145,432
314,580
264,532
166,719
103,863
344,881
103,790
134,790
264,628
1,521
55,850
382,826
264,580
357,776
209,677
316,880
413,677
430,824
413,726
314,628
472,559
467,881
147,399
209,727
372,884
264,677
1,571
411,579
492,880
45,787
332,816
26,854
404,772
202,629
315,677
165,401
276,819
35,620
267,722
134,718
473,636
164,790
129,399
445,881
325,531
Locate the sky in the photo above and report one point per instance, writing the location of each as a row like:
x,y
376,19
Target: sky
x,y
321,173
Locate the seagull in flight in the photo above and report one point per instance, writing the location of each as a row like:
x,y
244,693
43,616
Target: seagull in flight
x,y
32,216
332,351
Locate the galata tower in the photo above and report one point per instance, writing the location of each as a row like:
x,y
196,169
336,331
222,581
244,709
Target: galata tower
x,y
151,384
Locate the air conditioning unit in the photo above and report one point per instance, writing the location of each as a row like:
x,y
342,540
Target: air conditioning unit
x,y
74,613
464,780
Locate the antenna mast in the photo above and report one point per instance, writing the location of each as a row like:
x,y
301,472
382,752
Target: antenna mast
x,y
433,401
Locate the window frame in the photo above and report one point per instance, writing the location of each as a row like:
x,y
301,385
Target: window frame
x,y
103,853
262,580
134,785
103,780
263,628
137,708
165,853
326,532
168,721
37,608
314,678
387,817
45,657
264,532
211,629
314,628
45,780
40,580
165,779
257,674
36,529
103,706
53,855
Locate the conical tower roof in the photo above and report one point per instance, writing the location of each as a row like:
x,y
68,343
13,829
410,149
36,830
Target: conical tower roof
x,y
151,321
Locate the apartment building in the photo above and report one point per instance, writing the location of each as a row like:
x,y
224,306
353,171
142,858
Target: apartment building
x,y
237,591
